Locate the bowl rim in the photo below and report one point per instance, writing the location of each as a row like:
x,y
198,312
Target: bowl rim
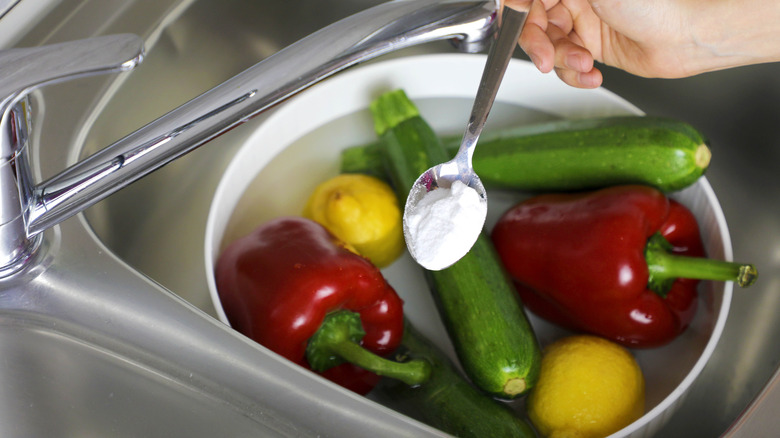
x,y
356,87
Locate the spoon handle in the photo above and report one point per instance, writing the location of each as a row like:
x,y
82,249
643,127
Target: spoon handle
x,y
497,60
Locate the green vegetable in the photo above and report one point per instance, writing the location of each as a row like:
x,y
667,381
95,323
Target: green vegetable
x,y
447,401
575,154
476,299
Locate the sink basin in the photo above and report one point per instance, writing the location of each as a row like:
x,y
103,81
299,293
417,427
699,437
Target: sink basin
x,y
115,335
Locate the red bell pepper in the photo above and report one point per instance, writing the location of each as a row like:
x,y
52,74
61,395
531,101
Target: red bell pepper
x,y
296,289
622,262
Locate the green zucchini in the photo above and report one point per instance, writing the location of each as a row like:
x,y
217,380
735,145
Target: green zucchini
x,y
447,401
576,154
485,320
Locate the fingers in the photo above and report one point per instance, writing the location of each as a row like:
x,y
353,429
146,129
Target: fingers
x,y
590,79
574,65
573,62
550,41
569,53
534,40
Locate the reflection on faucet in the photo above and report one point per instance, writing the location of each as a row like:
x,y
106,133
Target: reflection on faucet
x,y
382,29
54,200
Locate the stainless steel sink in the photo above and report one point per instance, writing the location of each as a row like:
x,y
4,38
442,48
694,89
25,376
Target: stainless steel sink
x,y
146,358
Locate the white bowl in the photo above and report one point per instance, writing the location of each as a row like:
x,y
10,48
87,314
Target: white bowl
x,y
298,146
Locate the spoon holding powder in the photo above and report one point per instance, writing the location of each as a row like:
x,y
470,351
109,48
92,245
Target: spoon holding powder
x,y
447,206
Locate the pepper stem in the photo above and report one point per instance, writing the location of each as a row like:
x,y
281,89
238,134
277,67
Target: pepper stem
x,y
338,341
665,267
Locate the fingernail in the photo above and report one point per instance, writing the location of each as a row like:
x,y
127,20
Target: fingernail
x,y
574,61
588,80
539,63
535,60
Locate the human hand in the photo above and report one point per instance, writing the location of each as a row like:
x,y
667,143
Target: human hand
x,y
662,38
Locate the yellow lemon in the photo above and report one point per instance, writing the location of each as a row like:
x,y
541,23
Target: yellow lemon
x,y
362,211
588,387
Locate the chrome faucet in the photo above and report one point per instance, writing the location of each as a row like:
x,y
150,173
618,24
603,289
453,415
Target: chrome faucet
x,y
27,208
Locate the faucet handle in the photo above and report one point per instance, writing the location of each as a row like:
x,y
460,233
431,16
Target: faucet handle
x,y
24,69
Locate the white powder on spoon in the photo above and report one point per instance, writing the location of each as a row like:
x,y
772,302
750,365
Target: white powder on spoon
x,y
444,225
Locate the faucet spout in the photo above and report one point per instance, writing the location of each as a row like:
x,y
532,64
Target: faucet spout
x,y
376,31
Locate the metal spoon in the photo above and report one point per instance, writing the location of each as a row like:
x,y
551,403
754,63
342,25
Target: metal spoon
x,y
439,252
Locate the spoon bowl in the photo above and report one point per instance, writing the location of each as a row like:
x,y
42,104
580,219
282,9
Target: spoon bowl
x,y
447,205
441,228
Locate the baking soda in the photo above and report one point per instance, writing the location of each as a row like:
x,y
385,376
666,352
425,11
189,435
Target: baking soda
x,y
444,225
